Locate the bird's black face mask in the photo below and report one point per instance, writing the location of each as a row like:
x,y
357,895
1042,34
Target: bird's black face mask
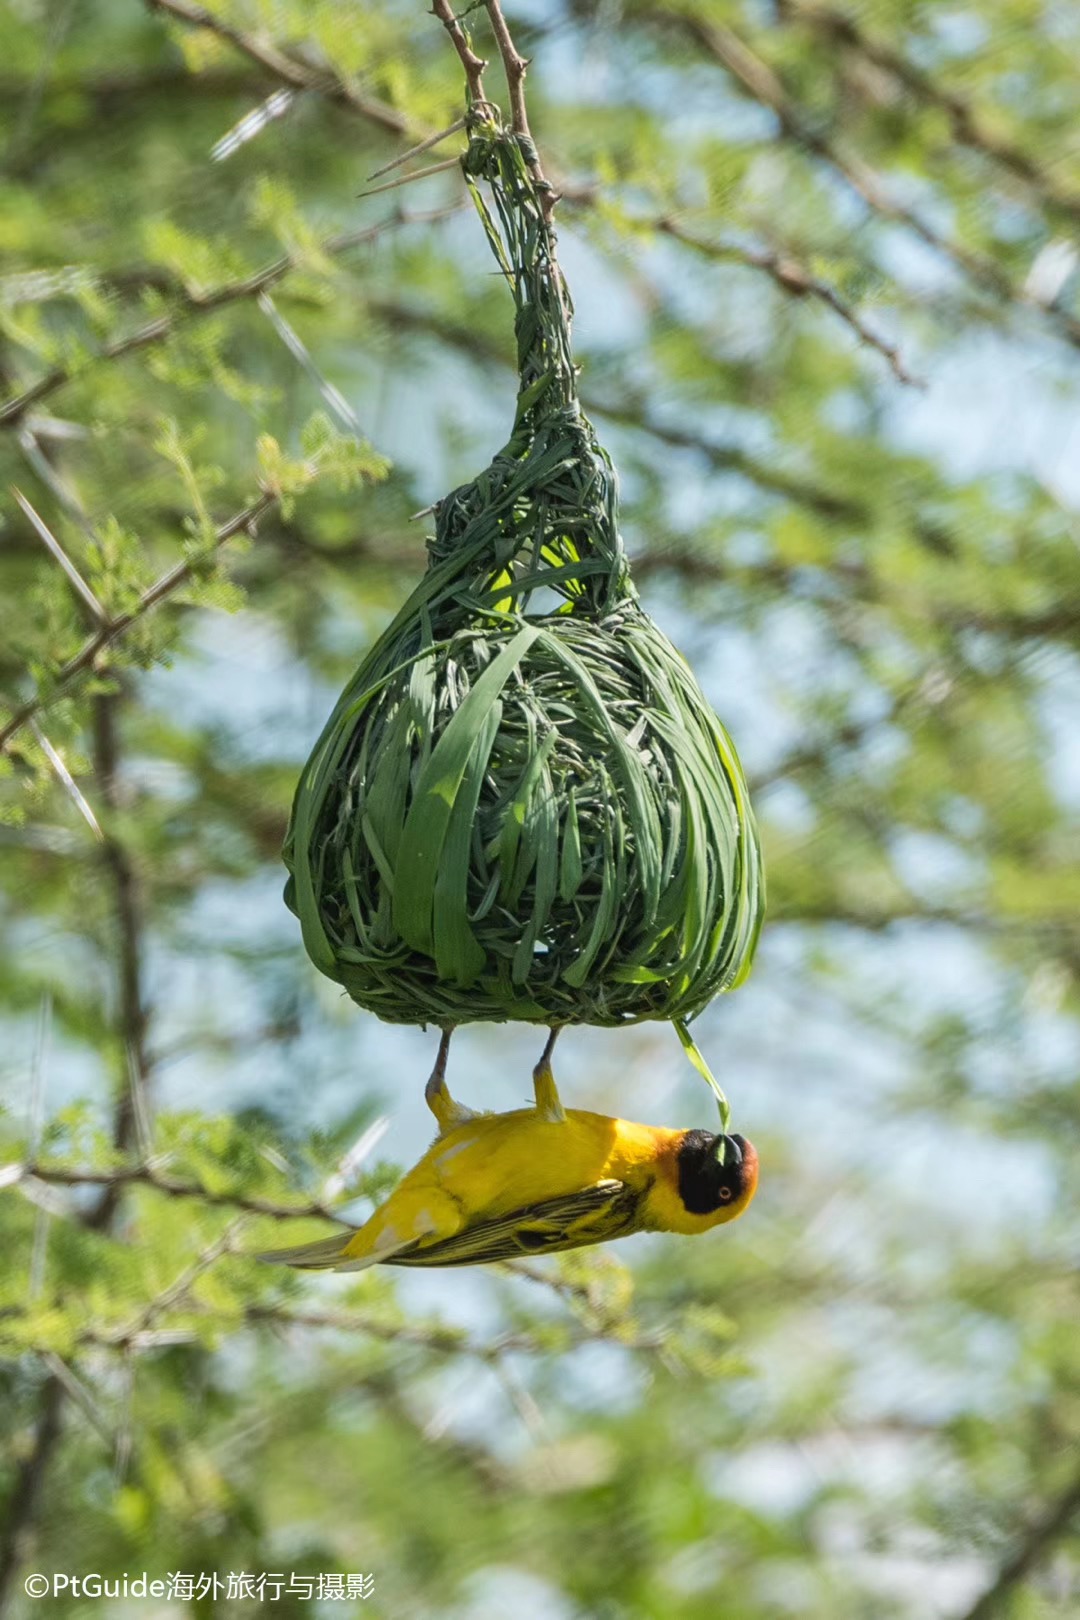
x,y
706,1185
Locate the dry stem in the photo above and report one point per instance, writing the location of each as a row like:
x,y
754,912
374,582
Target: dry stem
x,y
473,65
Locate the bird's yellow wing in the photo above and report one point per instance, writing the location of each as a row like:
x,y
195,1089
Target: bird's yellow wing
x,y
608,1209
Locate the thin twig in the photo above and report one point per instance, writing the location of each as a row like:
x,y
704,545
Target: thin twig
x,y
29,443
301,353
862,585
473,65
450,1341
442,167
443,1340
794,279
124,1444
77,1390
1055,932
966,121
225,1243
764,85
34,1125
416,151
344,1173
194,303
67,781
631,412
781,267
57,552
170,581
148,1174
578,1293
287,68
524,1404
628,411
515,66
272,107
35,1117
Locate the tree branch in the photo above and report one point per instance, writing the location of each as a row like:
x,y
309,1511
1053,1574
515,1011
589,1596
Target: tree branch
x,y
786,273
195,303
1030,1552
131,1012
1057,932
473,65
1060,621
140,1333
148,1174
105,88
450,1341
131,1021
178,1290
782,268
25,1496
515,66
107,633
794,279
288,69
631,412
764,85
966,121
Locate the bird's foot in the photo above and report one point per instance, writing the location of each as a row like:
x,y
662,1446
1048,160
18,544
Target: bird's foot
x,y
448,1113
548,1103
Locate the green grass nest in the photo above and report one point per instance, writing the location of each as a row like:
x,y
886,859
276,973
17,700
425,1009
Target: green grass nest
x,y
523,806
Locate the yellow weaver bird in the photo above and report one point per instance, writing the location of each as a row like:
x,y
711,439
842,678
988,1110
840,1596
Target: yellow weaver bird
x,y
505,1186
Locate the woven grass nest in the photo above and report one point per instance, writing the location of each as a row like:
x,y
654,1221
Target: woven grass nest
x,y
522,806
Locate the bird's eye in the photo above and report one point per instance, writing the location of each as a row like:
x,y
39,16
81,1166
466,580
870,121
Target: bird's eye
x,y
725,1195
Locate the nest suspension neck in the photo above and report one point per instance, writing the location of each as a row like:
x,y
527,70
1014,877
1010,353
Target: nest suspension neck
x,y
544,513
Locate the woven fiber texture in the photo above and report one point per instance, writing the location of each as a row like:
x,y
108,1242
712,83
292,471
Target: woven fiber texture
x,y
522,806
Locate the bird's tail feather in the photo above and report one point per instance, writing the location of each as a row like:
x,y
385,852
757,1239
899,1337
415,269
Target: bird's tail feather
x,y
322,1255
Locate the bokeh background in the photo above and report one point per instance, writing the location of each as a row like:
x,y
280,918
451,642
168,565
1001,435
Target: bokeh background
x,y
825,269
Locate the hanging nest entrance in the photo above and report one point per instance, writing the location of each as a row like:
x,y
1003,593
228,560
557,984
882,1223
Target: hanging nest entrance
x,y
522,806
